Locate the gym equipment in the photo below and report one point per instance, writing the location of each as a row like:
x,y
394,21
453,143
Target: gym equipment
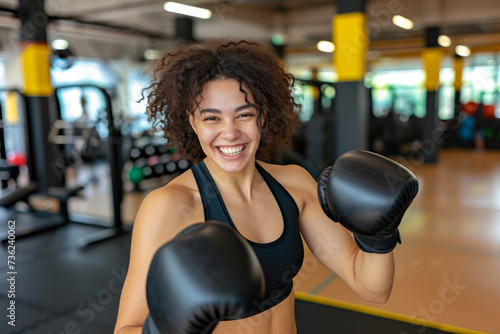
x,y
136,153
489,111
183,165
473,120
170,167
147,171
149,158
9,162
149,150
491,133
17,159
158,169
470,108
393,126
114,159
62,194
135,175
466,130
31,222
153,160
7,173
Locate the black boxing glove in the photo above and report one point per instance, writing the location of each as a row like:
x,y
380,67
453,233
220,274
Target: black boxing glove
x,y
368,194
207,273
149,326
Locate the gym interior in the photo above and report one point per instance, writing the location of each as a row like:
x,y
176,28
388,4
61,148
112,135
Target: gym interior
x,y
413,80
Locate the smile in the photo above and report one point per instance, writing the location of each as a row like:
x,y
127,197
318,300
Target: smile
x,y
231,151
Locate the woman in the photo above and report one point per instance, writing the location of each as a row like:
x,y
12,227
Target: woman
x,y
224,104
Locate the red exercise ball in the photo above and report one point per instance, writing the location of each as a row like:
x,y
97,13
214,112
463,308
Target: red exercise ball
x,y
489,111
470,108
16,159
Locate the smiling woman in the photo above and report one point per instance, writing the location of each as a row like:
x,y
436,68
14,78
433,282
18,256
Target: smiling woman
x,y
179,79
229,107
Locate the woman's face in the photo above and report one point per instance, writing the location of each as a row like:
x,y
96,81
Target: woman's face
x,y
226,125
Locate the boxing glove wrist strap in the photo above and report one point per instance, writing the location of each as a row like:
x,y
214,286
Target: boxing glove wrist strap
x,y
380,243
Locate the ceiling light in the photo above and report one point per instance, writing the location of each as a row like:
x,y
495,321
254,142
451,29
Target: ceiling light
x,y
60,44
402,22
444,41
462,51
151,54
277,39
180,8
325,46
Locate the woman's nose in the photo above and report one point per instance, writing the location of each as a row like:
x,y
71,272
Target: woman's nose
x,y
230,131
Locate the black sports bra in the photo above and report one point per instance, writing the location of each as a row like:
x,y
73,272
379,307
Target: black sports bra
x,y
280,259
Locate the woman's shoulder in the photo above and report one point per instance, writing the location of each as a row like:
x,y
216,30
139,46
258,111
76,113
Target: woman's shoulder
x,y
295,179
181,190
287,174
175,202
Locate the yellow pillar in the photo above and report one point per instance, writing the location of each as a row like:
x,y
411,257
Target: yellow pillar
x,y
458,66
351,107
35,60
351,44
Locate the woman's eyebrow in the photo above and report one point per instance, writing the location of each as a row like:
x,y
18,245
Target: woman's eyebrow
x,y
210,110
217,111
246,106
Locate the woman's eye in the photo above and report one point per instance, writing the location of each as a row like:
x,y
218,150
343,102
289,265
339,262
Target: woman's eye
x,y
246,115
210,119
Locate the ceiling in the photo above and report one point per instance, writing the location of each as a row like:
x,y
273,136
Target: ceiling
x,y
124,28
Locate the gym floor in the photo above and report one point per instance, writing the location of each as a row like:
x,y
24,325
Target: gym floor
x,y
447,268
446,278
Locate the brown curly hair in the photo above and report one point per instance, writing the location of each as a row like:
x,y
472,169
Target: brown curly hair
x,y
178,79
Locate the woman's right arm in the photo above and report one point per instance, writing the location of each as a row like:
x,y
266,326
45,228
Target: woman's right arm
x,y
158,220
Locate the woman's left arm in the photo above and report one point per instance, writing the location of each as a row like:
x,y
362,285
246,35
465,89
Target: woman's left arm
x,y
368,194
369,275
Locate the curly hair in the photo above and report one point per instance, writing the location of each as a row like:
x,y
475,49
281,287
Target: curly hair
x,y
178,79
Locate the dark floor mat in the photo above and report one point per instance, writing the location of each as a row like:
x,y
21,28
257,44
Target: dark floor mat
x,y
314,318
26,314
59,283
68,237
63,324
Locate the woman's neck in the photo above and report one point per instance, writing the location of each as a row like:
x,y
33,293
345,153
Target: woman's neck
x,y
241,182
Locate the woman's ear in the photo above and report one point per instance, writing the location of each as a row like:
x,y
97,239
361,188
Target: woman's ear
x,y
192,122
262,118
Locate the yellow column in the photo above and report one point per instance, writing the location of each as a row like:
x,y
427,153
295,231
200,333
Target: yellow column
x,y
351,44
432,65
458,66
350,113
35,60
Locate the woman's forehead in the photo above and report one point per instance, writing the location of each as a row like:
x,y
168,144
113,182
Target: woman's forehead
x,y
225,89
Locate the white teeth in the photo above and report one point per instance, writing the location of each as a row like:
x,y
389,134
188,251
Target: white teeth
x,y
232,150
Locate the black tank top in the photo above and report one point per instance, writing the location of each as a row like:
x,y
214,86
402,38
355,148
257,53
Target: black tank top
x,y
280,259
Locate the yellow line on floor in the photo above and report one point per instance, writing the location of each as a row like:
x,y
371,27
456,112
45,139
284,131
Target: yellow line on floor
x,y
382,313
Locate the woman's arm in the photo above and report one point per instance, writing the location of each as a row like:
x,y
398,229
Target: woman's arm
x,y
159,218
368,275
